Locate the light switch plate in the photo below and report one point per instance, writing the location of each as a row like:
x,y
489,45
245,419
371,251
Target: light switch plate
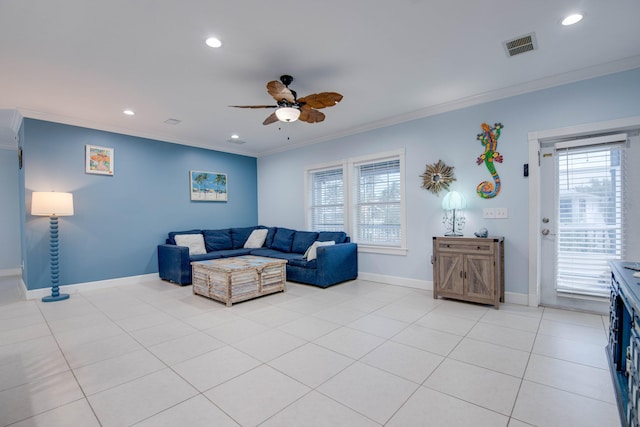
x,y
502,213
489,213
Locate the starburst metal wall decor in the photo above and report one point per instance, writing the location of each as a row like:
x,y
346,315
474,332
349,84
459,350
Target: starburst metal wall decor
x,y
437,177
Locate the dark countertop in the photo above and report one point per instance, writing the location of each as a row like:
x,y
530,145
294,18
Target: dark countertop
x,y
630,284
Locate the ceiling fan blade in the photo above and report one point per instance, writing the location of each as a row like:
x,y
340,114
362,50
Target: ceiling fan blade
x,y
311,116
254,106
279,92
321,100
271,119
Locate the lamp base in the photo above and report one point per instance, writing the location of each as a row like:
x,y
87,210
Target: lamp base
x,y
52,298
453,233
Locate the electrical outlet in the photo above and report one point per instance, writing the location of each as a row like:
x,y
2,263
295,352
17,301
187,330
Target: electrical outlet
x,y
502,213
489,213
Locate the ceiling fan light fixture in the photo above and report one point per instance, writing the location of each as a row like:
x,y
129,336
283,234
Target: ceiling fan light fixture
x,y
287,114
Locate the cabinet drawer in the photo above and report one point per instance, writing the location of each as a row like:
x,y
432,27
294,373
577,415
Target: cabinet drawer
x,y
466,246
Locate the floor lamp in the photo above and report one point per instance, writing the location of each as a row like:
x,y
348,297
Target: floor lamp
x,y
53,205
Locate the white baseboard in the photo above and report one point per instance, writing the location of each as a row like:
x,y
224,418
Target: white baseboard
x,y
100,284
516,298
427,285
10,272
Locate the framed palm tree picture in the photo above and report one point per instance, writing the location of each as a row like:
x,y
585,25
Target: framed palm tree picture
x,y
208,186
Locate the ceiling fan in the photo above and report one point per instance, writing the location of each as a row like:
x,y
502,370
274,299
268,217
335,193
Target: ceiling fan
x,y
290,108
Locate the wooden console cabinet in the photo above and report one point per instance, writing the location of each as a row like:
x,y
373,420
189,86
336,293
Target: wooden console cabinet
x,y
623,350
469,269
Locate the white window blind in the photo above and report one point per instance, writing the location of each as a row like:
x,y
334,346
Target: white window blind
x,y
327,200
590,216
377,202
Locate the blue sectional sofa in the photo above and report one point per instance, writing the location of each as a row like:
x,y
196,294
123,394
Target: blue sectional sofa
x,y
333,264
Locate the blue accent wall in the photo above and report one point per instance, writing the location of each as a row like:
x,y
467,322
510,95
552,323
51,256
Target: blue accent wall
x,y
119,220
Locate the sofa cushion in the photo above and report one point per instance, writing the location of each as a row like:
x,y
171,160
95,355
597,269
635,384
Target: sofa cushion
x,y
301,262
336,236
195,243
240,235
270,235
302,240
272,253
311,253
283,239
172,241
217,240
265,252
205,257
233,252
256,239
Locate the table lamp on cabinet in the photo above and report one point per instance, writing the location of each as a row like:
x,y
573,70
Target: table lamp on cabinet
x,y
453,203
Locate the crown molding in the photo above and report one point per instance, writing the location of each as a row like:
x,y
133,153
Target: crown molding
x,y
90,124
482,98
574,76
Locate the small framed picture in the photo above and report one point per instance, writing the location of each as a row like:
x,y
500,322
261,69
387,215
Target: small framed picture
x,y
208,186
99,160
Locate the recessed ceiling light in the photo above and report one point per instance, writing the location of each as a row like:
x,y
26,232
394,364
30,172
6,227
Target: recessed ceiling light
x,y
572,19
234,136
213,42
129,112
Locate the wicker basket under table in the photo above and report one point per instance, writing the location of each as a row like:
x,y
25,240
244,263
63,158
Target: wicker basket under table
x,y
239,278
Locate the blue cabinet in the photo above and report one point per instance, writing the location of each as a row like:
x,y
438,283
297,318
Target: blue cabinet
x,y
623,350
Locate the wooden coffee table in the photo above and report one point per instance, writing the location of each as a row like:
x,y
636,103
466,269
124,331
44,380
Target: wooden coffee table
x,y
239,278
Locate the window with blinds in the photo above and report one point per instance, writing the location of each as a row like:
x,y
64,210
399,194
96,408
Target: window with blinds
x,y
377,202
326,193
590,215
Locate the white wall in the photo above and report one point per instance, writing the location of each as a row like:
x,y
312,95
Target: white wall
x,y
10,121
9,213
451,137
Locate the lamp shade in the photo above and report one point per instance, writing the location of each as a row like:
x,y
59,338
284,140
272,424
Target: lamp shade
x,y
51,203
453,200
287,114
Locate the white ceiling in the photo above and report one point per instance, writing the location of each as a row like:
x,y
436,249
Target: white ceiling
x,y
82,62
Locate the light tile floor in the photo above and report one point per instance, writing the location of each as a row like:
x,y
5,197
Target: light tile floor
x,y
356,354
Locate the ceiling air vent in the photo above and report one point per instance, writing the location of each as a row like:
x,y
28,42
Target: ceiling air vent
x,y
521,44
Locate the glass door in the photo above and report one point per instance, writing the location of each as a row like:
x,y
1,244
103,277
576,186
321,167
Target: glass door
x,y
582,220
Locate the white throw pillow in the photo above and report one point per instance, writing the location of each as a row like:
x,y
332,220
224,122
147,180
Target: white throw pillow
x,y
256,239
311,252
195,243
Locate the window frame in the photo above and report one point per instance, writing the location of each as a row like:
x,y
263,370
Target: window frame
x,y
308,199
349,176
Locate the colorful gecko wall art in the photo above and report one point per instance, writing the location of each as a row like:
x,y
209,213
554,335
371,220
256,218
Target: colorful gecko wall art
x,y
489,138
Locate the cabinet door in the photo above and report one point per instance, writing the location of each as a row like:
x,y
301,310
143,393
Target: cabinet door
x,y
450,274
479,276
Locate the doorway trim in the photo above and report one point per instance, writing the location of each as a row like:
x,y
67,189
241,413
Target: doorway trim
x,y
537,138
